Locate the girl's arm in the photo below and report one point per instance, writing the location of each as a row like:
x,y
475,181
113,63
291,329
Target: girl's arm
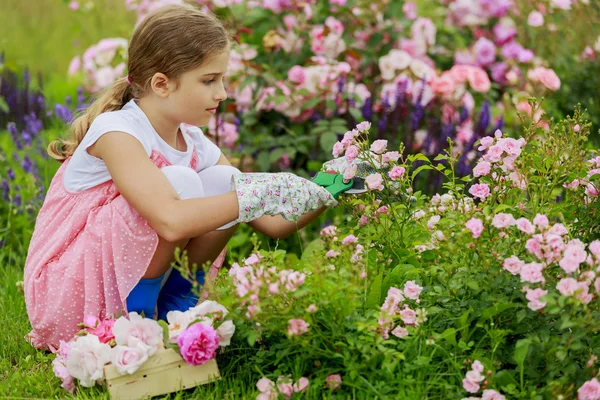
x,y
149,192
276,227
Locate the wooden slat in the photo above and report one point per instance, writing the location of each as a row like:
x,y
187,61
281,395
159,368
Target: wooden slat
x,y
164,372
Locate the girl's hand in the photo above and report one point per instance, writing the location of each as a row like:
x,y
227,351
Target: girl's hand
x,y
281,193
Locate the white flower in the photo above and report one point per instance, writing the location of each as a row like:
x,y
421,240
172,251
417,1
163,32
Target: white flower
x,y
225,332
87,359
421,69
400,58
127,359
137,330
178,322
208,307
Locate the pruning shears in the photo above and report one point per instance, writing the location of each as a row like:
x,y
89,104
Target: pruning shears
x,y
335,183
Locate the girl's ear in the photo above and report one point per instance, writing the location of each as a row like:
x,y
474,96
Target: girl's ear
x,y
161,85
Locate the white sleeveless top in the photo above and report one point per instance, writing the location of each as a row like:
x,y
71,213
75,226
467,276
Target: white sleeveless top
x,y
85,171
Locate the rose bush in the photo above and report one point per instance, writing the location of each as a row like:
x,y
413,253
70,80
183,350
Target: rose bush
x,y
489,289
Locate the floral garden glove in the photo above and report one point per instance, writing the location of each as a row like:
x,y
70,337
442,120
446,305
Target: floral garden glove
x,y
280,193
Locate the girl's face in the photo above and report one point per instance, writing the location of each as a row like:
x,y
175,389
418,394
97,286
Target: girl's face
x,y
200,91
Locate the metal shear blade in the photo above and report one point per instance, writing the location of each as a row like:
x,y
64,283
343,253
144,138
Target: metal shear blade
x,y
358,186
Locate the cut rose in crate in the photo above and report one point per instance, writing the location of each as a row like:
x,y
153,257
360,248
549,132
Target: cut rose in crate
x,y
126,352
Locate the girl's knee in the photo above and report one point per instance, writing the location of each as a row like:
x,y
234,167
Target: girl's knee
x,y
185,181
216,179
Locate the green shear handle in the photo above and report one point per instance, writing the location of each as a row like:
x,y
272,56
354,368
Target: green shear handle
x,y
333,183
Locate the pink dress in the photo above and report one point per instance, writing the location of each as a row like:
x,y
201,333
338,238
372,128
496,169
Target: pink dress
x,y
87,252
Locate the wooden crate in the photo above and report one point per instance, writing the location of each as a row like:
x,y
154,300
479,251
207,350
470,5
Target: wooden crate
x,y
164,372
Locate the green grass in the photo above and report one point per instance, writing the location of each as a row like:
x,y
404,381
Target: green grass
x,y
44,35
27,373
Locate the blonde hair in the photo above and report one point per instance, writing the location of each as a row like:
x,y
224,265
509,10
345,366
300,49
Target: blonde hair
x,y
172,40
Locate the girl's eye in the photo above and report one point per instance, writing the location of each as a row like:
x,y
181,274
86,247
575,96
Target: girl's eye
x,y
209,82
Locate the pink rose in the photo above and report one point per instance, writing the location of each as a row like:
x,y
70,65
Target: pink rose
x,y
532,273
410,10
350,172
485,142
297,75
444,85
198,344
513,265
408,316
477,366
535,19
363,126
400,332
350,239
253,259
482,169
503,220
412,290
379,146
265,385
374,182
534,298
301,385
137,330
494,153
548,78
332,253
286,389
397,172
102,329
87,358
460,73
534,247
127,359
338,148
490,394
479,80
351,153
390,156
297,327
569,264
480,191
470,386
475,226
595,248
567,286
333,381
590,390
525,226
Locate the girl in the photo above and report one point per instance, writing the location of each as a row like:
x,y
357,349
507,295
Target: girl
x,y
138,180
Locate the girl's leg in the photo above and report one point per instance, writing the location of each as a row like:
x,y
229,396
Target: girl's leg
x,y
145,294
177,292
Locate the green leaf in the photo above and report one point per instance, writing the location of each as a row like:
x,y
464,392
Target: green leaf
x,y
397,276
165,328
263,160
313,247
421,168
449,335
327,141
521,350
4,106
252,337
496,309
374,297
276,155
504,378
356,114
311,103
